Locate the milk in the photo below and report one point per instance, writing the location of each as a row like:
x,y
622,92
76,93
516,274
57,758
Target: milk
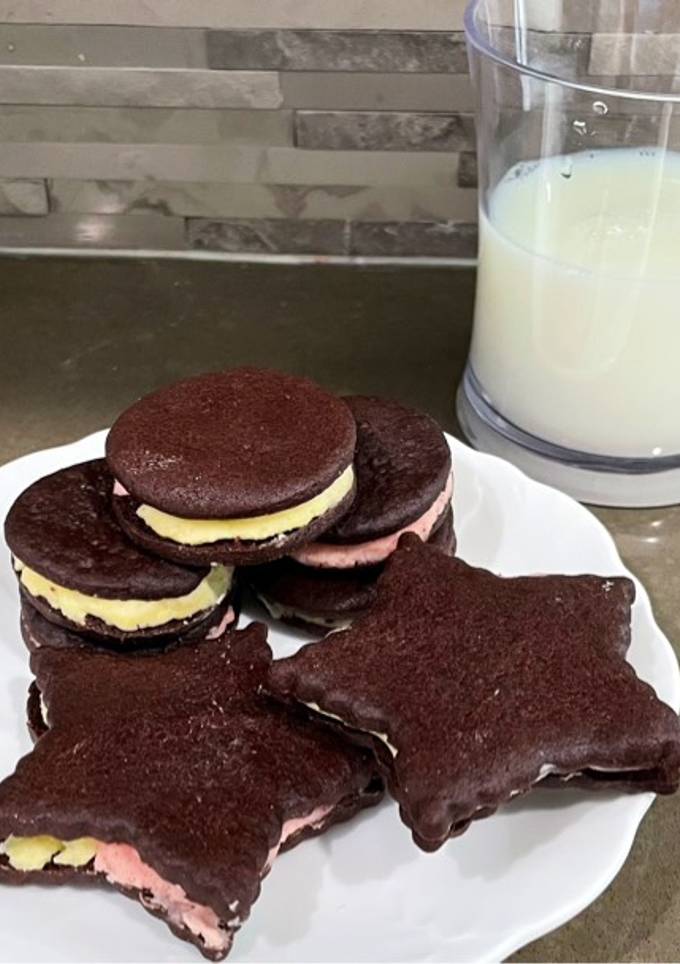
x,y
577,322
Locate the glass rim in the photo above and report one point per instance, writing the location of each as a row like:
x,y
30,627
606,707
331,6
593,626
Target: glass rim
x,y
482,46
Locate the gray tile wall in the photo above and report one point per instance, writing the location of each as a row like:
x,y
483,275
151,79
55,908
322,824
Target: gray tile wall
x,y
287,126
293,126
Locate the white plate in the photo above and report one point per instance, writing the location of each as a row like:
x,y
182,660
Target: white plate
x,y
363,892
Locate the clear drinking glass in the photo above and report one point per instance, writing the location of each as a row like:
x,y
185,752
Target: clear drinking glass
x,y
574,369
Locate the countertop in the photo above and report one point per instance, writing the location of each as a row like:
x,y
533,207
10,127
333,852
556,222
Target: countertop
x,y
80,338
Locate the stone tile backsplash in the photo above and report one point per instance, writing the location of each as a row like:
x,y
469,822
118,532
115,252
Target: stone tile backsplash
x,y
139,87
383,131
303,127
23,196
436,52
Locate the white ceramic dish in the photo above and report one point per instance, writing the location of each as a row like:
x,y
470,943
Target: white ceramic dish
x,y
364,892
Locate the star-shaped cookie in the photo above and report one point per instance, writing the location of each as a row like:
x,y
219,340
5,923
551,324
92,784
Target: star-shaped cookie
x,y
173,778
471,689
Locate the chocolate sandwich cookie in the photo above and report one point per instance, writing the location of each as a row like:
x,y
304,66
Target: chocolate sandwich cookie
x,y
77,567
310,598
174,779
237,467
404,484
472,689
38,632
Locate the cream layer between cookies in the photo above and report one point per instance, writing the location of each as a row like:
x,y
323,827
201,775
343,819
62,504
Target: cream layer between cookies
x,y
128,615
327,555
122,866
198,532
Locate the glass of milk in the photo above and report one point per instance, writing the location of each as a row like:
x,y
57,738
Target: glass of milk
x,y
574,368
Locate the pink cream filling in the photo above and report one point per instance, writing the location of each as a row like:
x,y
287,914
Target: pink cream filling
x,y
314,820
226,620
119,489
325,555
122,865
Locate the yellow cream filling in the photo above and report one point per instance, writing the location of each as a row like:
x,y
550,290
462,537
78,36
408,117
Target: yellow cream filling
x,y
198,532
128,614
35,853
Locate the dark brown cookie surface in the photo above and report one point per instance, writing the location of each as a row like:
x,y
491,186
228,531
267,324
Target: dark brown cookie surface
x,y
233,552
402,465
62,527
180,757
330,593
479,687
233,444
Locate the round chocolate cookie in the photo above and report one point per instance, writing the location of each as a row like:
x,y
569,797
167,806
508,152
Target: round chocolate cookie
x,y
238,466
76,566
404,483
403,465
328,598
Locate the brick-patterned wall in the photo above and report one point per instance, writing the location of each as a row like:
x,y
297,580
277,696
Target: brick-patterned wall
x,y
327,127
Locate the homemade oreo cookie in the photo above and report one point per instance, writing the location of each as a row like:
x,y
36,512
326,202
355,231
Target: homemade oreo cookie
x,y
404,484
77,567
472,689
173,779
39,633
238,467
311,599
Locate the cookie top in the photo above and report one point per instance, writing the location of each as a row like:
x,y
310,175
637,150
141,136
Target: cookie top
x,y
178,756
63,528
472,687
232,444
402,465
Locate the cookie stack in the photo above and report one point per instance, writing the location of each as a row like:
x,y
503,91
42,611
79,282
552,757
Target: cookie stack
x,y
140,550
306,493
129,570
175,759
